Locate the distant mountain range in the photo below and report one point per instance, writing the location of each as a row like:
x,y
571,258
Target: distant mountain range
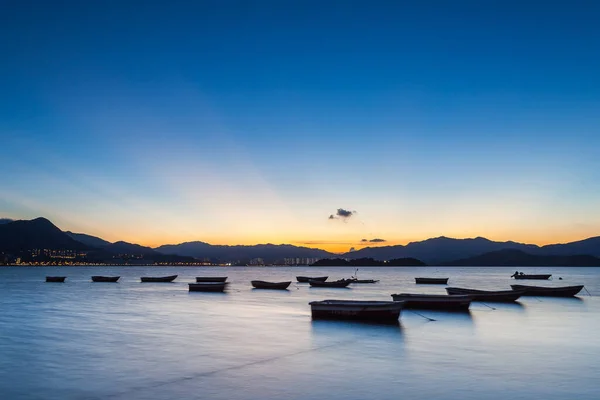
x,y
40,233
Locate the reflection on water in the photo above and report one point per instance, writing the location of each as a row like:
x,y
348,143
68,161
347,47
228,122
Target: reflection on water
x,y
156,341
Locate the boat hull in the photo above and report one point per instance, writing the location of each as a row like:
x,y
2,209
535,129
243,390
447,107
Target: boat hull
x,y
563,291
373,311
158,279
500,296
538,277
55,278
333,284
207,286
211,279
434,302
432,281
305,279
271,285
364,281
105,278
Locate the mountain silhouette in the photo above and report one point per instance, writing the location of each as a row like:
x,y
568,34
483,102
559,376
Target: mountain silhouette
x,y
88,240
589,246
268,252
438,250
130,249
518,258
37,233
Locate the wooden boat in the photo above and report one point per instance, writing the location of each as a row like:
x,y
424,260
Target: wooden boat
x,y
158,279
271,285
97,278
499,296
561,291
526,276
434,301
55,278
207,286
355,280
378,311
432,281
342,283
305,279
211,278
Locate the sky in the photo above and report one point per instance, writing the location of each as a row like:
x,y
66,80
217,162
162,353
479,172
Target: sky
x,y
243,122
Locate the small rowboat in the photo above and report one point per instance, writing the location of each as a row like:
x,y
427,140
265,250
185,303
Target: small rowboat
x,y
524,276
305,279
378,311
55,278
207,286
499,296
342,283
562,291
363,280
434,301
158,279
432,281
271,285
97,278
211,278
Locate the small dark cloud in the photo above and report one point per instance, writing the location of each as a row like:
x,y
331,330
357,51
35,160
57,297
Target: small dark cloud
x,y
377,240
5,220
364,240
342,214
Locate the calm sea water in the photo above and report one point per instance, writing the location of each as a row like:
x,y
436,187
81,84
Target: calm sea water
x,y
132,340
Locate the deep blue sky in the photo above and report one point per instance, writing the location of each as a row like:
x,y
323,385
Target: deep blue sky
x,y
253,121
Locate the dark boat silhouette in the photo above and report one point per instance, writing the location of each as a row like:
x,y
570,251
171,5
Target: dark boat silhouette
x,y
158,279
211,278
434,301
432,281
207,286
98,278
531,276
562,291
55,278
305,279
354,280
376,311
271,285
342,283
498,296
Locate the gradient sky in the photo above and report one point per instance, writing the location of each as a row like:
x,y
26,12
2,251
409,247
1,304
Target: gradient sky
x,y
250,122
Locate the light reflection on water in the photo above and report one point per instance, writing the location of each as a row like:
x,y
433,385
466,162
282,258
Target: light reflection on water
x,y
157,340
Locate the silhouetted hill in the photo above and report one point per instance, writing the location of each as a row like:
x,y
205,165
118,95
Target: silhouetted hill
x,y
268,252
368,262
589,246
5,220
130,249
88,240
438,250
37,233
518,258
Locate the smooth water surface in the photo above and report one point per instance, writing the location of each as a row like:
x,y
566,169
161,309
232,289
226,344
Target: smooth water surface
x,y
132,340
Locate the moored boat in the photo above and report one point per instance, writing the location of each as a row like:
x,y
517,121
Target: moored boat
x,y
520,275
354,280
305,279
158,278
55,278
432,281
207,286
271,285
434,301
561,291
498,296
376,311
97,278
211,278
342,283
